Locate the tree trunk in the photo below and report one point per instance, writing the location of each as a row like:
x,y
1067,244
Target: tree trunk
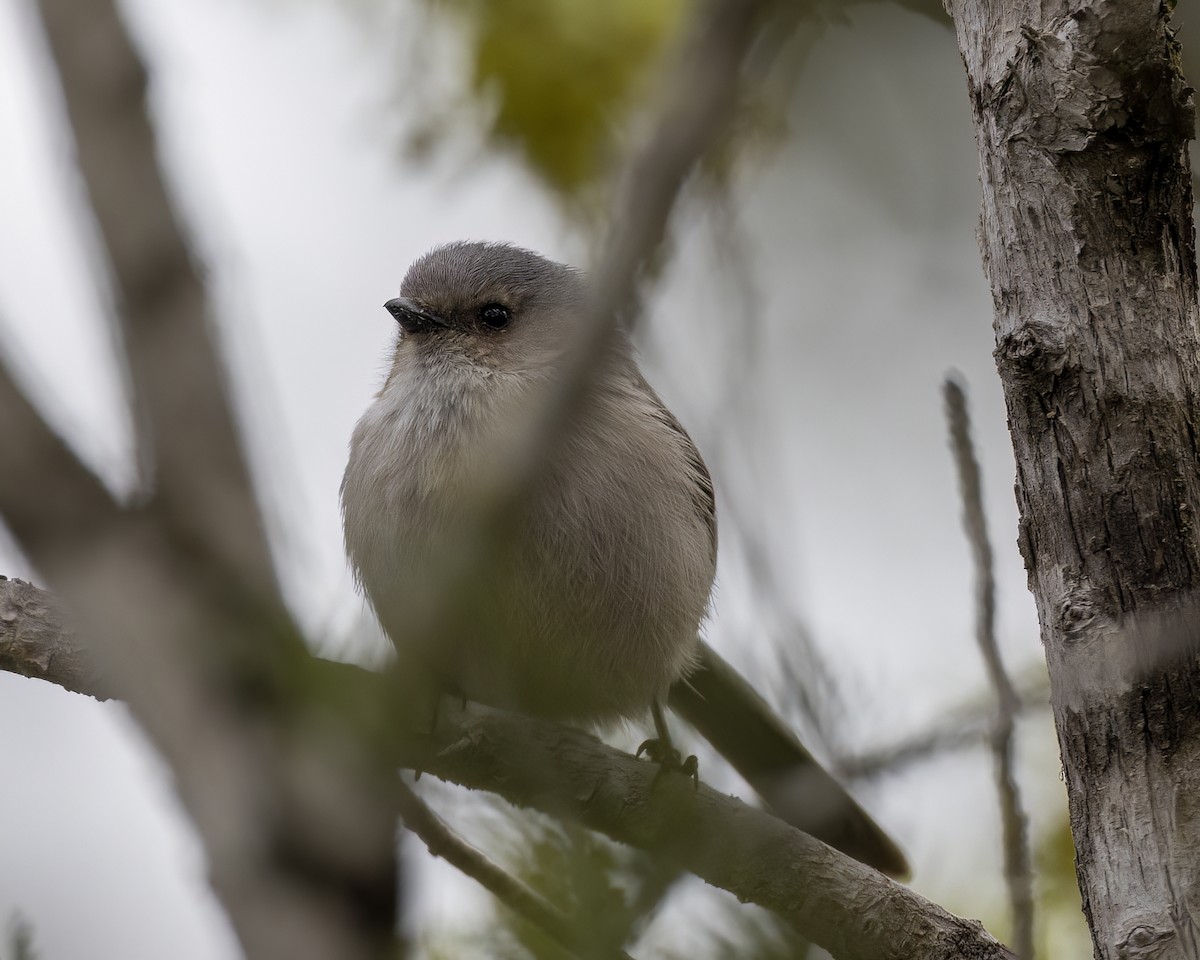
x,y
1082,120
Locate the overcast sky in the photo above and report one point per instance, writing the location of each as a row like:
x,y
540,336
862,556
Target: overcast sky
x,y
861,288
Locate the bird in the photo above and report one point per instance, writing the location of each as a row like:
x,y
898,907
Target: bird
x,y
590,610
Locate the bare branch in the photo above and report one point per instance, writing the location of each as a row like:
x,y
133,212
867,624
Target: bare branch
x,y
1018,870
36,642
200,479
46,494
851,910
177,594
961,730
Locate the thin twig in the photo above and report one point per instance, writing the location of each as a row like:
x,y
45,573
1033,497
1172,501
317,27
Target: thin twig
x,y
443,842
701,96
1018,872
962,729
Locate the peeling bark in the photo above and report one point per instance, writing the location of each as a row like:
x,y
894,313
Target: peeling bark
x,y
1082,123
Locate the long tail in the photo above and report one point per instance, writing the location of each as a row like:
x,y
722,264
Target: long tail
x,y
730,715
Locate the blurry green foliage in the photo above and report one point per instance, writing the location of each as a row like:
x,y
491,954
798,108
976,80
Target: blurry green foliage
x,y
563,76
612,892
1062,931
746,932
587,877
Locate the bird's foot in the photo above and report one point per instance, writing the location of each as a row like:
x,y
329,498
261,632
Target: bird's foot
x,y
670,760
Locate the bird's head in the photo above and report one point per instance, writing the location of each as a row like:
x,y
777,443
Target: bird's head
x,y
489,304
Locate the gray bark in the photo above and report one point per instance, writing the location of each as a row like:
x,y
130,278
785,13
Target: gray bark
x,y
1082,121
850,909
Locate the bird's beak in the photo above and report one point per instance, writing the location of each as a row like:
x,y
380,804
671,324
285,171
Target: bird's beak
x,y
412,319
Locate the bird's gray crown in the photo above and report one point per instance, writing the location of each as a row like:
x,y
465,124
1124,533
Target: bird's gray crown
x,y
462,276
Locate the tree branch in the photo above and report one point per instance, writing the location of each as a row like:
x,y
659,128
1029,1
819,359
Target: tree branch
x,y
1018,871
959,729
176,594
35,641
188,436
851,910
702,91
47,495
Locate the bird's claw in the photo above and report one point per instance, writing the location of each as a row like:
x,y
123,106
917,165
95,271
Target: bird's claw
x,y
670,760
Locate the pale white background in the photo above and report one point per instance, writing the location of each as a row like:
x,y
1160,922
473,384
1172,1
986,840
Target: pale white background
x,y
282,126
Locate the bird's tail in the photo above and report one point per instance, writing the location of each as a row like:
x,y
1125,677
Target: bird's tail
x,y
730,715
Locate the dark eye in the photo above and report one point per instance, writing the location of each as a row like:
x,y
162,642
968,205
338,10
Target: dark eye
x,y
495,316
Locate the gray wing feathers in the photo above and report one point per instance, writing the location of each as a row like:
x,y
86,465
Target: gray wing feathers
x,y
703,493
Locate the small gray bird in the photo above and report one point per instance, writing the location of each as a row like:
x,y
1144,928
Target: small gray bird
x,y
591,611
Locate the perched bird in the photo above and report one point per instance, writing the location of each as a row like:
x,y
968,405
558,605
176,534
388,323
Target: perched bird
x,y
591,610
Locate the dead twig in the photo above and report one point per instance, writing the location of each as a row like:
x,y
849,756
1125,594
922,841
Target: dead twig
x,y
1018,871
961,729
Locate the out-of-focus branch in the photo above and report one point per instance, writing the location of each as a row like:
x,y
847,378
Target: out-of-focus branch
x,y
701,94
700,99
187,432
1018,871
853,911
961,730
45,491
702,89
176,594
517,896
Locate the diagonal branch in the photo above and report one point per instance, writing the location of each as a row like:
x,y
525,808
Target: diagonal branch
x,y
853,911
46,493
700,101
702,93
180,397
176,594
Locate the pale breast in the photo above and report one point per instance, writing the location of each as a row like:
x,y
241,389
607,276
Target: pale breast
x,y
593,609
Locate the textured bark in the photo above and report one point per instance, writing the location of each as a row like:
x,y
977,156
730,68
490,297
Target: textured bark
x,y
852,910
1082,121
36,642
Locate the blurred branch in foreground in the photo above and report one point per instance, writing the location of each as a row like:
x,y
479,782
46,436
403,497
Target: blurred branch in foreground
x,y
962,728
177,592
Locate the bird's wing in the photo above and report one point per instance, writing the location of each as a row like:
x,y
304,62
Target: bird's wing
x,y
703,493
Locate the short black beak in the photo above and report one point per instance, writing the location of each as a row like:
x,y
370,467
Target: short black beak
x,y
411,318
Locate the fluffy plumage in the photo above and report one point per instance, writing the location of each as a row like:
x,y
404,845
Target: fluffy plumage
x,y
593,610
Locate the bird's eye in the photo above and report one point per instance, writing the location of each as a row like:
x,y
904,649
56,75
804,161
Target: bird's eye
x,y
495,316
